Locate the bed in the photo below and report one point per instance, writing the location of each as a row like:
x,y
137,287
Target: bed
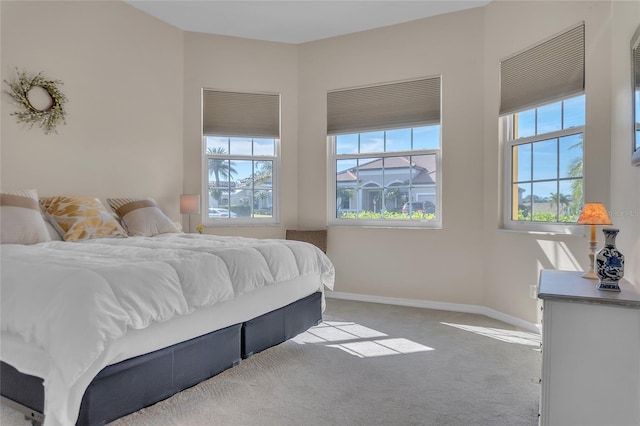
x,y
96,329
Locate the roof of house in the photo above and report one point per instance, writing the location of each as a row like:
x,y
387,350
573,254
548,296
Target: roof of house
x,y
424,164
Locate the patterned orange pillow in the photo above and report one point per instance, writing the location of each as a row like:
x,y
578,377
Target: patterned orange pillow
x,y
81,218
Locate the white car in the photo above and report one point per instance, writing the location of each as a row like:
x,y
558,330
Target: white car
x,y
218,212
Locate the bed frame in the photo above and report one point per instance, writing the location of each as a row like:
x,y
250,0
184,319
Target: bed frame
x,y
135,383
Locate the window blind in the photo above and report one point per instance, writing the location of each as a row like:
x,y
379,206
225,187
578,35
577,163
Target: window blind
x,y
387,106
636,66
240,114
551,70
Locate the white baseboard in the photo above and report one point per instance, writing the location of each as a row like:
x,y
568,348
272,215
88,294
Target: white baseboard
x,y
443,306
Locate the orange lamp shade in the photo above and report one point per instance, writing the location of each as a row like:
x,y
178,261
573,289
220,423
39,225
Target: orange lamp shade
x,y
594,214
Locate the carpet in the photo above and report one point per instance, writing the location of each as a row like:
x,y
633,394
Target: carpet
x,y
368,364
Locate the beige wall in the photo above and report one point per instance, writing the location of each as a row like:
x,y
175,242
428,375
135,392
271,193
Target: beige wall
x,y
234,64
134,126
471,260
438,265
514,259
122,75
625,180
609,176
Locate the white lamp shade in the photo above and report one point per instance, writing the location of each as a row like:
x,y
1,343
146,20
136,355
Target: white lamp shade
x,y
190,204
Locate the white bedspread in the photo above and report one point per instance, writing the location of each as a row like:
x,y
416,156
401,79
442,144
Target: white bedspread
x,y
72,299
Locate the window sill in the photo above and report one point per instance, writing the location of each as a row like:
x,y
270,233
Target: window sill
x,y
572,231
230,223
412,226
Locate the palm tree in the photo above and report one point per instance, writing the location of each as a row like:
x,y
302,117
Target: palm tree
x,y
265,166
560,200
219,168
265,172
396,197
343,194
576,170
262,197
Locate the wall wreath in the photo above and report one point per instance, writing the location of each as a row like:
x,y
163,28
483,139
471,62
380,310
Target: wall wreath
x,y
48,113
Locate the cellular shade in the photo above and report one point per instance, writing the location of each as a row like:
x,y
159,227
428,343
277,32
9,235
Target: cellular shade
x,y
549,71
240,114
387,106
636,66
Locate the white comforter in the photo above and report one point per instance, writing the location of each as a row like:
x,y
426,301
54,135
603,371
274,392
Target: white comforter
x,y
72,299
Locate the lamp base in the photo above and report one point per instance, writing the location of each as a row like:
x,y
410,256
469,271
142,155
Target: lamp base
x,y
590,275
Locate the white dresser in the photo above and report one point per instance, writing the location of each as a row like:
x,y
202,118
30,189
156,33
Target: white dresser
x,y
590,352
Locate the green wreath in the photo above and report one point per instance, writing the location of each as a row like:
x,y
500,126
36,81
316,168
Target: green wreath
x,y
47,118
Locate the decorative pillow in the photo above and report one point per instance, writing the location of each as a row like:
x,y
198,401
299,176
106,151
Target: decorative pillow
x,y
53,234
20,219
142,216
81,218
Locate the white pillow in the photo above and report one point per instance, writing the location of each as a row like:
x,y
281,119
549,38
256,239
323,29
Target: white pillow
x,y
21,221
53,234
141,216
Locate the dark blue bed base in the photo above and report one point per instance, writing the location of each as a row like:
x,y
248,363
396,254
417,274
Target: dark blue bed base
x,y
130,385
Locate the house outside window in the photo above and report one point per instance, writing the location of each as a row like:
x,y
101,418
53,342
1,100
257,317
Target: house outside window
x,y
241,147
387,178
384,155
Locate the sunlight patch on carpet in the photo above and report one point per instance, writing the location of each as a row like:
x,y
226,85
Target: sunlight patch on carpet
x,y
358,340
510,336
368,349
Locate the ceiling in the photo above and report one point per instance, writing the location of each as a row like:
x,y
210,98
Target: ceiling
x,y
293,21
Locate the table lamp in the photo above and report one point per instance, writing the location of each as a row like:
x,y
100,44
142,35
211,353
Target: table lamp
x,y
593,214
189,204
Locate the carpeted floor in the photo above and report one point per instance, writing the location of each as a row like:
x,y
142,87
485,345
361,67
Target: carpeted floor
x,y
368,364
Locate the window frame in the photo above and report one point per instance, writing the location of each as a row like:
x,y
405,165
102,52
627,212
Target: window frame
x,y
507,132
382,223
274,220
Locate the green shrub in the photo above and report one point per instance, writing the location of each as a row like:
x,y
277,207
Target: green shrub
x,y
241,210
546,217
387,215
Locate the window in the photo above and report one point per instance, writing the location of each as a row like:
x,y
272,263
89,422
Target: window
x,y
543,119
240,177
240,157
385,154
545,157
387,177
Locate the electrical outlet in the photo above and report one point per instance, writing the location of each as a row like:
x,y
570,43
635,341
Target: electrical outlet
x,y
533,291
